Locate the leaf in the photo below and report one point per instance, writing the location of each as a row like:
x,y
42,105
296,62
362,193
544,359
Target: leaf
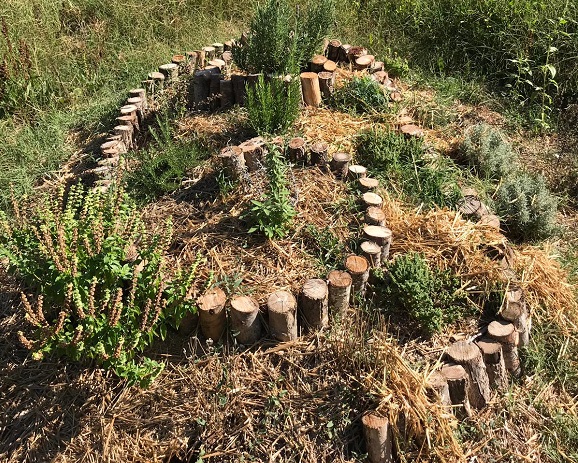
x,y
551,69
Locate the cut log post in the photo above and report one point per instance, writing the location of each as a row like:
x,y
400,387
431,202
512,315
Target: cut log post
x,y
201,58
491,221
411,131
438,383
137,101
364,62
126,133
494,360
330,66
368,184
371,199
310,88
343,53
212,314
282,308
458,385
131,111
140,93
314,304
339,284
215,90
355,52
380,76
253,153
378,438
239,88
470,357
219,48
356,172
472,206
181,61
380,235
505,333
202,88
376,66
226,91
233,162
340,165
192,59
218,63
227,57
158,79
297,151
358,268
333,50
316,63
209,53
374,215
372,252
170,71
326,83
516,312
110,149
319,154
245,321
124,120
149,86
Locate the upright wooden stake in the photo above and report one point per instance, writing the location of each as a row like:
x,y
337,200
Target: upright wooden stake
x,y
219,48
316,63
330,66
314,304
319,154
333,50
378,438
506,334
326,83
469,356
339,284
202,88
438,383
494,360
297,151
374,215
170,71
356,172
233,161
344,53
516,312
239,88
358,268
380,235
140,93
372,252
371,199
368,184
226,90
310,88
458,385
126,133
209,53
364,62
158,79
212,315
253,151
282,315
340,165
245,319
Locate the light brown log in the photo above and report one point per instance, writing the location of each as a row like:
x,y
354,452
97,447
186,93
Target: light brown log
x,y
470,357
358,268
316,63
372,252
218,63
438,383
330,66
343,53
380,235
368,184
356,172
374,215
131,111
491,221
124,120
170,71
297,151
126,133
239,88
138,102
355,52
319,154
339,284
233,162
212,314
219,48
314,304
149,86
192,59
110,149
226,91
376,66
209,53
364,62
245,321
515,311
378,438
411,131
227,57
458,384
494,360
506,334
158,79
380,76
472,206
282,308
371,199
333,50
340,164
181,61
141,93
310,89
201,58
253,152
395,96
326,83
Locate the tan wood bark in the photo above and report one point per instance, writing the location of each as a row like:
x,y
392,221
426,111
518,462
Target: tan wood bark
x,y
358,268
378,438
470,357
494,360
340,165
245,321
458,384
314,304
212,314
372,252
310,89
356,172
339,284
319,154
380,235
297,151
282,307
505,333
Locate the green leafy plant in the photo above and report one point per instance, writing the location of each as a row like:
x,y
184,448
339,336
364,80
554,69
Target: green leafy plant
x,y
328,249
273,105
361,95
96,281
273,214
432,298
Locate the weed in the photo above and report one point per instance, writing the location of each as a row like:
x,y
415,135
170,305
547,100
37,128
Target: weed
x,y
361,95
328,248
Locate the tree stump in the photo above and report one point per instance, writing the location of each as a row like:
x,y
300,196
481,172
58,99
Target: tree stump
x,y
334,50
200,58
140,93
239,88
330,66
516,312
356,172
245,319
233,162
126,133
378,438
137,101
212,315
314,304
355,52
371,199
227,57
170,71
376,66
218,63
494,360
297,151
472,206
316,63
192,59
364,62
209,53
374,215
380,235
458,385
110,149
131,111
202,88
282,308
380,76
368,184
411,131
228,45
470,357
310,89
358,268
158,79
339,284
181,62
326,83
219,48
253,154
505,333
372,252
340,165
226,91
215,90
319,154
438,383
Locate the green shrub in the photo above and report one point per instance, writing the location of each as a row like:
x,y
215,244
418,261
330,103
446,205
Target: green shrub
x,y
526,206
487,151
432,298
273,215
361,95
273,105
282,40
98,281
